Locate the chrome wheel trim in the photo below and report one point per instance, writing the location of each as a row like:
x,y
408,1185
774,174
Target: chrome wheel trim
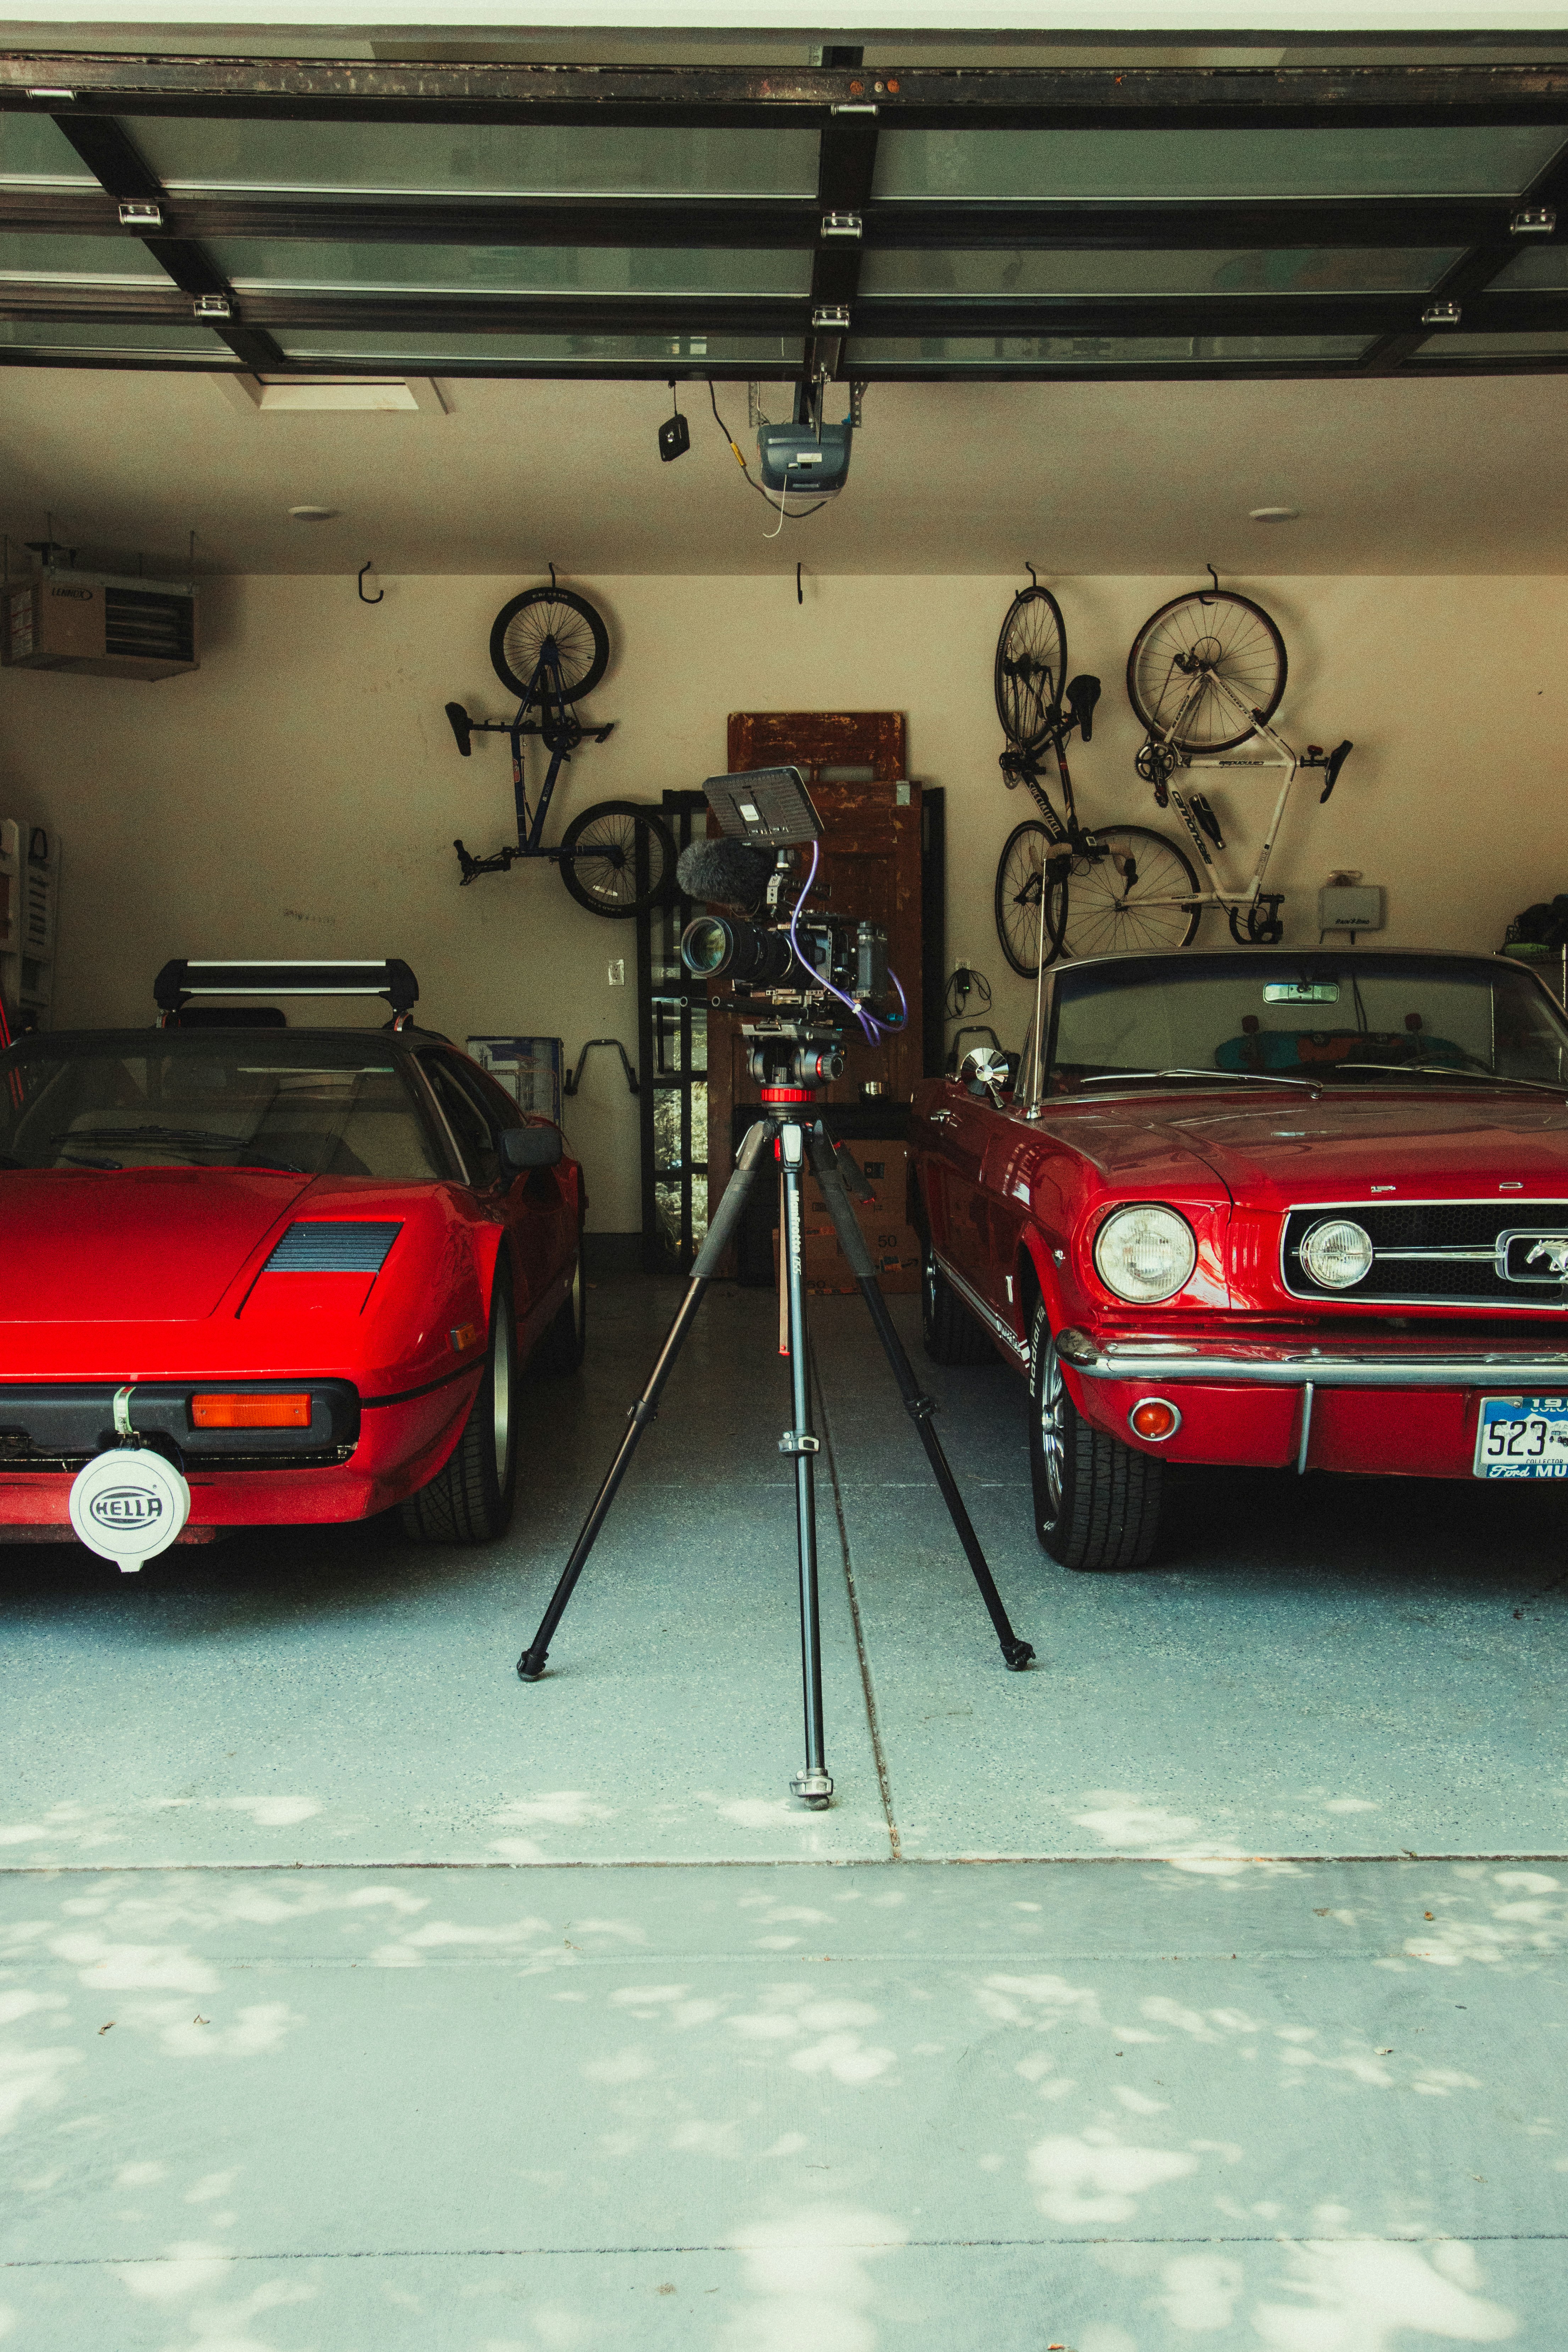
x,y
928,1289
1053,1442
501,1390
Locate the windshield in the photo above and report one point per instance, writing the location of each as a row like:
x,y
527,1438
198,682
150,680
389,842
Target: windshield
x,y
1348,1020
212,1098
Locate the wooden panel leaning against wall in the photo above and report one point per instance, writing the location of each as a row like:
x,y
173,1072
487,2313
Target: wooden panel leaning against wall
x,y
855,767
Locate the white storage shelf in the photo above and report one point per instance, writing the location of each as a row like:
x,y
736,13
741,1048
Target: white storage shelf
x,y
29,909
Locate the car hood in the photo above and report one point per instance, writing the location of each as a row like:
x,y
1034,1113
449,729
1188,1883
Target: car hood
x,y
1463,1145
139,1245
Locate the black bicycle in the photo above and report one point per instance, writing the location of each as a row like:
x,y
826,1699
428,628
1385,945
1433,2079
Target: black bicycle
x,y
1056,877
551,647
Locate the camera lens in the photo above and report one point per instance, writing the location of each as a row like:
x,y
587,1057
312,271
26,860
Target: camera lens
x,y
715,947
706,946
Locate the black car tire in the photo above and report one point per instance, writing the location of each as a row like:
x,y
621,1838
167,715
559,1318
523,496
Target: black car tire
x,y
949,1331
564,1342
1097,1502
470,1500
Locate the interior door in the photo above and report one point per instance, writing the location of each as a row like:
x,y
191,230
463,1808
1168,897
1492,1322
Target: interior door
x,y
869,869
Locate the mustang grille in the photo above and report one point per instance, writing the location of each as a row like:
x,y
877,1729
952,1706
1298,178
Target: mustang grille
x,y
319,1247
1444,1250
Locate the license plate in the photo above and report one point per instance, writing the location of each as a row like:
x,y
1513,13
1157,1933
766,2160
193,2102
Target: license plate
x,y
1522,1437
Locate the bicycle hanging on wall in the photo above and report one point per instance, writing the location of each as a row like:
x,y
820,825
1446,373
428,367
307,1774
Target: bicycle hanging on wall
x,y
1052,855
1205,677
551,646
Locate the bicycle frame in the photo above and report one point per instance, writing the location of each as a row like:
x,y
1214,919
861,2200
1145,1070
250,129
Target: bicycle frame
x,y
568,735
1245,900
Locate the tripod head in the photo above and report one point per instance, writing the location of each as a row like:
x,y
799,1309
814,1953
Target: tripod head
x,y
791,1059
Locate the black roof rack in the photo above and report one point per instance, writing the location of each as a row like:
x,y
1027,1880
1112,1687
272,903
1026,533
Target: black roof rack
x,y
184,977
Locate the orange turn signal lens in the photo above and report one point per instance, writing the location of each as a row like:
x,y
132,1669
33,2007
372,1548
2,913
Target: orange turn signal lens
x,y
1153,1418
250,1412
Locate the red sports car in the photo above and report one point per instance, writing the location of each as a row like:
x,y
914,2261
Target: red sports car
x,y
1296,1210
270,1275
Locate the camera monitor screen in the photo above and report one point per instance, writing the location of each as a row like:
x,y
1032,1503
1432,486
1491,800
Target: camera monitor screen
x,y
770,806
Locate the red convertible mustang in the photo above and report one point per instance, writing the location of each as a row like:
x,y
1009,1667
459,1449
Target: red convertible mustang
x,y
1294,1210
262,1276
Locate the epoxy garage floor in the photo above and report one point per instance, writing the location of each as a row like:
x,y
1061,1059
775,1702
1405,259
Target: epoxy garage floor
x,y
1202,1987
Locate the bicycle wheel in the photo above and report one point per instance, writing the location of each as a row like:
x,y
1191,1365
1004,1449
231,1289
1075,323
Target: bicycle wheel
x,y
522,628
1023,874
1188,653
629,862
1031,666
1134,891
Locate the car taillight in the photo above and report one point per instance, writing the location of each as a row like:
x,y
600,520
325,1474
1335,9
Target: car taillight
x,y
220,1411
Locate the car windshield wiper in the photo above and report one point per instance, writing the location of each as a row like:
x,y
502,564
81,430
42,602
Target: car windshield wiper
x,y
1222,1078
190,1139
1446,1070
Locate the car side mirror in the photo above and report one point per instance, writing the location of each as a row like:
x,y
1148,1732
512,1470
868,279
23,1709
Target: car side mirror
x,y
531,1147
986,1072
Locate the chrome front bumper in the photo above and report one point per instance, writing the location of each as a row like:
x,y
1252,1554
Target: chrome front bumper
x,y
1269,1365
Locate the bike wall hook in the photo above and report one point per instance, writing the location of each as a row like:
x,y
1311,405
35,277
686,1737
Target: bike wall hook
x,y
552,576
569,1084
1030,570
368,566
1214,575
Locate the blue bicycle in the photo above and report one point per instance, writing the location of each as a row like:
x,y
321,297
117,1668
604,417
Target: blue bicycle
x,y
552,648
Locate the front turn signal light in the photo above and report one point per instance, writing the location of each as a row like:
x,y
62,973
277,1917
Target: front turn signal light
x,y
1154,1419
219,1411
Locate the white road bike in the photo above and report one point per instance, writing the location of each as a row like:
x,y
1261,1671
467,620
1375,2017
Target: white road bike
x,y
1205,675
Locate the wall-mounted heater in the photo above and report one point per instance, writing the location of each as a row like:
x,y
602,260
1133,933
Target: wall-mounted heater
x,y
59,618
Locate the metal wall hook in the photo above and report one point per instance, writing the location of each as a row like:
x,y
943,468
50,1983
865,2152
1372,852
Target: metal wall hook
x,y
552,576
1214,575
368,566
575,1077
1030,570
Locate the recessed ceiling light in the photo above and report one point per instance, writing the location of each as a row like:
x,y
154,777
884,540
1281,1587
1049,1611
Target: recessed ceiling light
x,y
313,514
1266,514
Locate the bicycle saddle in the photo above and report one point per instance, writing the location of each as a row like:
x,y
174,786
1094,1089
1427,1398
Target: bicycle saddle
x,y
1331,767
462,727
1083,693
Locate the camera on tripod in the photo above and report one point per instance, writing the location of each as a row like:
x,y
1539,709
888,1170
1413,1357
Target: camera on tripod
x,y
806,976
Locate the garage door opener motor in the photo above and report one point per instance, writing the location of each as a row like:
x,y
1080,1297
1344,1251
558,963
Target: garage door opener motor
x,y
130,1503
797,1046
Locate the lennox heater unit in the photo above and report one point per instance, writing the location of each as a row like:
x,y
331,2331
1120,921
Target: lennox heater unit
x,y
92,622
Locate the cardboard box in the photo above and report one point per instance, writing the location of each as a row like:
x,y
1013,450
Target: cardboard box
x,y
895,1253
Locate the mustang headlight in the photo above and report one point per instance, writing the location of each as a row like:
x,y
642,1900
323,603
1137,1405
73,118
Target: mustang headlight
x,y
1144,1254
1337,1252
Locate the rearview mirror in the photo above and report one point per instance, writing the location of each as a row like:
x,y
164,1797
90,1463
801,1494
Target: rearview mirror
x,y
531,1147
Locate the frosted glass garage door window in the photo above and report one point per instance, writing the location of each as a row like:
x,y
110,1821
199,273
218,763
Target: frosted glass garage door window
x,y
998,276
376,267
393,348
1101,351
1452,159
33,149
479,158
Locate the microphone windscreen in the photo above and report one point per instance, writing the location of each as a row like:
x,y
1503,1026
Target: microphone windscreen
x,y
725,871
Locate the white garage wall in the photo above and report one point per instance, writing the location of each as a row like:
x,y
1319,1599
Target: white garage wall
x,y
300,793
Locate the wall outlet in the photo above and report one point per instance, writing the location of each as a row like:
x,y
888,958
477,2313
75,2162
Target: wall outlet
x,y
617,970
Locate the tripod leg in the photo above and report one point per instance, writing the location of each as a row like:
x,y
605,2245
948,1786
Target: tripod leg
x,y
813,1785
1017,1653
530,1665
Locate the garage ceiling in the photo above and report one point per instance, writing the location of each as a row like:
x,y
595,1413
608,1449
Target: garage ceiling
x,y
1013,221
1439,476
